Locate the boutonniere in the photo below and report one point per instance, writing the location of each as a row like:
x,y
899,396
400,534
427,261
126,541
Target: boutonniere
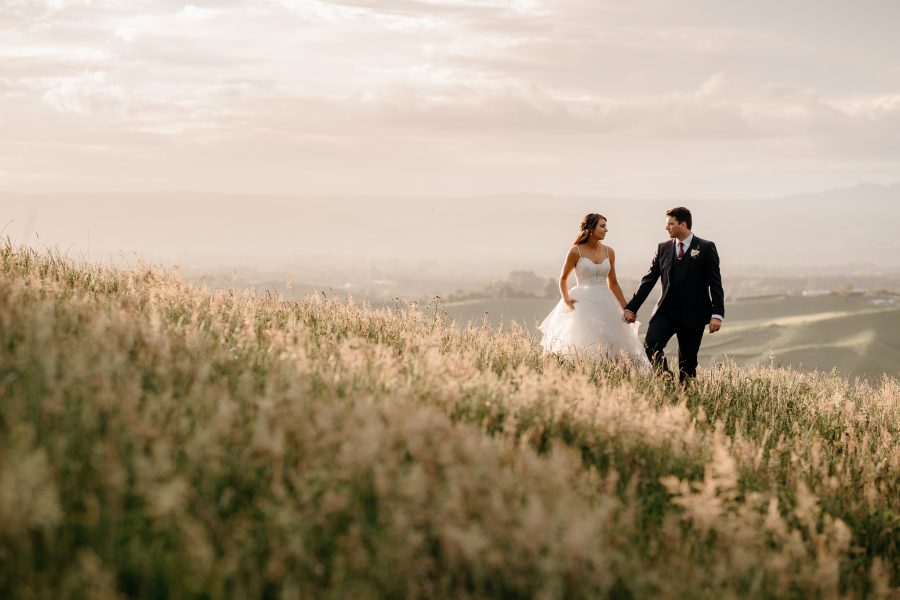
x,y
695,253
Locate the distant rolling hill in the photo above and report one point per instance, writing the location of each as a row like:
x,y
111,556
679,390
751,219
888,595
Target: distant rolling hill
x,y
852,334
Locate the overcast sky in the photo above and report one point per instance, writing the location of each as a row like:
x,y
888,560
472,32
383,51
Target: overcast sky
x,y
654,98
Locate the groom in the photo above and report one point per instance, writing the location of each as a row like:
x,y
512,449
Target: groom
x,y
691,299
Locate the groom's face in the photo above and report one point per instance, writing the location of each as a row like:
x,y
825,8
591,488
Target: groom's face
x,y
676,229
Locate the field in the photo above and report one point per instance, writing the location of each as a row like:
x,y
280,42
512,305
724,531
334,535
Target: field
x,y
851,334
162,440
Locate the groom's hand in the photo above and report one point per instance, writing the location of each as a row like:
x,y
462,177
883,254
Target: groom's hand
x,y
629,316
715,325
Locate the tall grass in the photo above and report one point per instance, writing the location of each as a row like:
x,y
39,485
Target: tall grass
x,y
162,440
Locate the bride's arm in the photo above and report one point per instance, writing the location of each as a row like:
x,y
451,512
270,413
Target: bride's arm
x,y
568,266
611,280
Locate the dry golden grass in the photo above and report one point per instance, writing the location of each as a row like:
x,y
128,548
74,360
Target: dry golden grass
x,y
162,440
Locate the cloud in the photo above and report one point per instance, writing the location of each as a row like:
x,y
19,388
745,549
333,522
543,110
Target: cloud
x,y
470,81
199,13
88,93
709,112
54,5
872,107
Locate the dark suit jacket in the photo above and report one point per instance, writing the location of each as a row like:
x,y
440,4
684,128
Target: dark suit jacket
x,y
701,292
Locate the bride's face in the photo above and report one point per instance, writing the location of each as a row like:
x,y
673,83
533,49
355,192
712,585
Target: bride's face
x,y
600,230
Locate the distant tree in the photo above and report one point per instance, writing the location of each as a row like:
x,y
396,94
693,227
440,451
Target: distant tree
x,y
525,282
551,288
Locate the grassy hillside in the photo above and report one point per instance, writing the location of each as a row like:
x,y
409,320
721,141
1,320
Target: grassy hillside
x,y
859,342
158,440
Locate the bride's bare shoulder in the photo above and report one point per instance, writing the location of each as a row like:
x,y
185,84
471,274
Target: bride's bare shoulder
x,y
573,255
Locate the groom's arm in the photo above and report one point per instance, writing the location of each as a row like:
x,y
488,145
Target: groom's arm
x,y
714,278
647,284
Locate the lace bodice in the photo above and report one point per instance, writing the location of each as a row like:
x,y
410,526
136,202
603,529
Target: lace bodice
x,y
589,273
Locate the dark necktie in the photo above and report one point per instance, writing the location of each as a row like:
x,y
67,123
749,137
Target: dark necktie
x,y
680,250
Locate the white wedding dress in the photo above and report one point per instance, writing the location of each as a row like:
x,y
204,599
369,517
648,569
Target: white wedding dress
x,y
596,325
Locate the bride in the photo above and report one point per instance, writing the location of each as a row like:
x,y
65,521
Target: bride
x,y
589,316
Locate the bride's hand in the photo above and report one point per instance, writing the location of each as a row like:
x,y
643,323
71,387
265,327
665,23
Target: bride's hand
x,y
570,303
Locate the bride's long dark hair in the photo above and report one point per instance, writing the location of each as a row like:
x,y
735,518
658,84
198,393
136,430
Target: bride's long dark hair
x,y
588,224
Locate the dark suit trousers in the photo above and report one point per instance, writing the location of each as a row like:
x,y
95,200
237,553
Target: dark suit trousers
x,y
664,325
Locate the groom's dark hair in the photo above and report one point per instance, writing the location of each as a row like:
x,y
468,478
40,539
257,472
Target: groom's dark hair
x,y
681,214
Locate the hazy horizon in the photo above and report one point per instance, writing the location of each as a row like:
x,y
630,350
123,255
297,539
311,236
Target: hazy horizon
x,y
852,227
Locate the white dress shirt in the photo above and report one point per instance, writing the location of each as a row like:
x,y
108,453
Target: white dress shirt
x,y
687,244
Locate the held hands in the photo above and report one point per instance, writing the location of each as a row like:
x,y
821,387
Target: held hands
x,y
714,325
629,316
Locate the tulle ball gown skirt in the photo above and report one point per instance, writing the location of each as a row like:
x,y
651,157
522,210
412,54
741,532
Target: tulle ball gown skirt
x,y
595,326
